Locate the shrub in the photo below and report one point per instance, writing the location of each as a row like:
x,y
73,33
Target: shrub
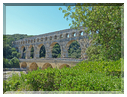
x,y
86,76
64,65
46,65
14,63
33,66
23,65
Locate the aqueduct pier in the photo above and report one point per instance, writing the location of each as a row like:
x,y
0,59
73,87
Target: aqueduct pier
x,y
63,37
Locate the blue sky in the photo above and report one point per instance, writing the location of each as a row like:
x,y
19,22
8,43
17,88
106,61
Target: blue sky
x,y
35,20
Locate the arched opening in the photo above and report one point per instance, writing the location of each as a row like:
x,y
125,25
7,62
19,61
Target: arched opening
x,y
81,33
24,53
32,52
61,36
74,49
73,34
55,37
42,52
56,50
67,35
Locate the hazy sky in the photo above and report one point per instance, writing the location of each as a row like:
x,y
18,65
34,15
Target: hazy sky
x,y
34,20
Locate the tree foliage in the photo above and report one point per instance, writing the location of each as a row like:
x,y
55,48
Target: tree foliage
x,y
104,23
14,63
56,52
42,51
74,50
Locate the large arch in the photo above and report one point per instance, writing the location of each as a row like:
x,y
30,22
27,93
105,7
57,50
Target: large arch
x,y
42,51
73,49
31,49
55,50
23,52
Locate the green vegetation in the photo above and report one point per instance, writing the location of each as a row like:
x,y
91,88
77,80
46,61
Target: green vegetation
x,y
42,52
13,63
104,69
86,76
74,50
10,52
56,52
105,25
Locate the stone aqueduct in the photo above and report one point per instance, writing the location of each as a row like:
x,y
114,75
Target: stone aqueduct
x,y
63,37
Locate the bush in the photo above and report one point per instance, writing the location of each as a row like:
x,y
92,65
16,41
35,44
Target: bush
x,y
46,65
18,55
64,65
33,66
14,63
86,76
23,65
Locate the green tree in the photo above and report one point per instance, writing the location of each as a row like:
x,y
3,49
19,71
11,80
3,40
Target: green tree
x,y
18,55
103,23
56,52
42,51
14,63
74,50
5,63
32,53
7,53
14,54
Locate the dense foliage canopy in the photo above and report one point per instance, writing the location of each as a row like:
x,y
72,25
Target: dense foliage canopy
x,y
104,23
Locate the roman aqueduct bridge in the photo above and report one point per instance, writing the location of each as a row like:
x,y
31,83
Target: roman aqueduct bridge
x,y
63,37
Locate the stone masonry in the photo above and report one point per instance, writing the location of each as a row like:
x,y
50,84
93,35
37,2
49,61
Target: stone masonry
x,y
63,37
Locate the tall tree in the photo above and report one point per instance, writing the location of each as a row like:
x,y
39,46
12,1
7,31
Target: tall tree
x,y
104,24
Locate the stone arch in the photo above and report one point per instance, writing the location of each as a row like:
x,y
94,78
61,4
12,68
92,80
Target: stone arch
x,y
58,54
74,34
81,33
41,46
61,35
41,39
45,38
55,37
67,35
31,49
77,53
23,52
50,37
34,41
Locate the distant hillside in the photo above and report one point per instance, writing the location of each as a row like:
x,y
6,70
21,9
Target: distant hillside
x,y
9,38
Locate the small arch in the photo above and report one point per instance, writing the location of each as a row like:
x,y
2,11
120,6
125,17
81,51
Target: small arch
x,y
81,33
67,35
34,40
73,34
45,38
37,39
50,37
55,37
61,36
28,41
41,39
31,41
